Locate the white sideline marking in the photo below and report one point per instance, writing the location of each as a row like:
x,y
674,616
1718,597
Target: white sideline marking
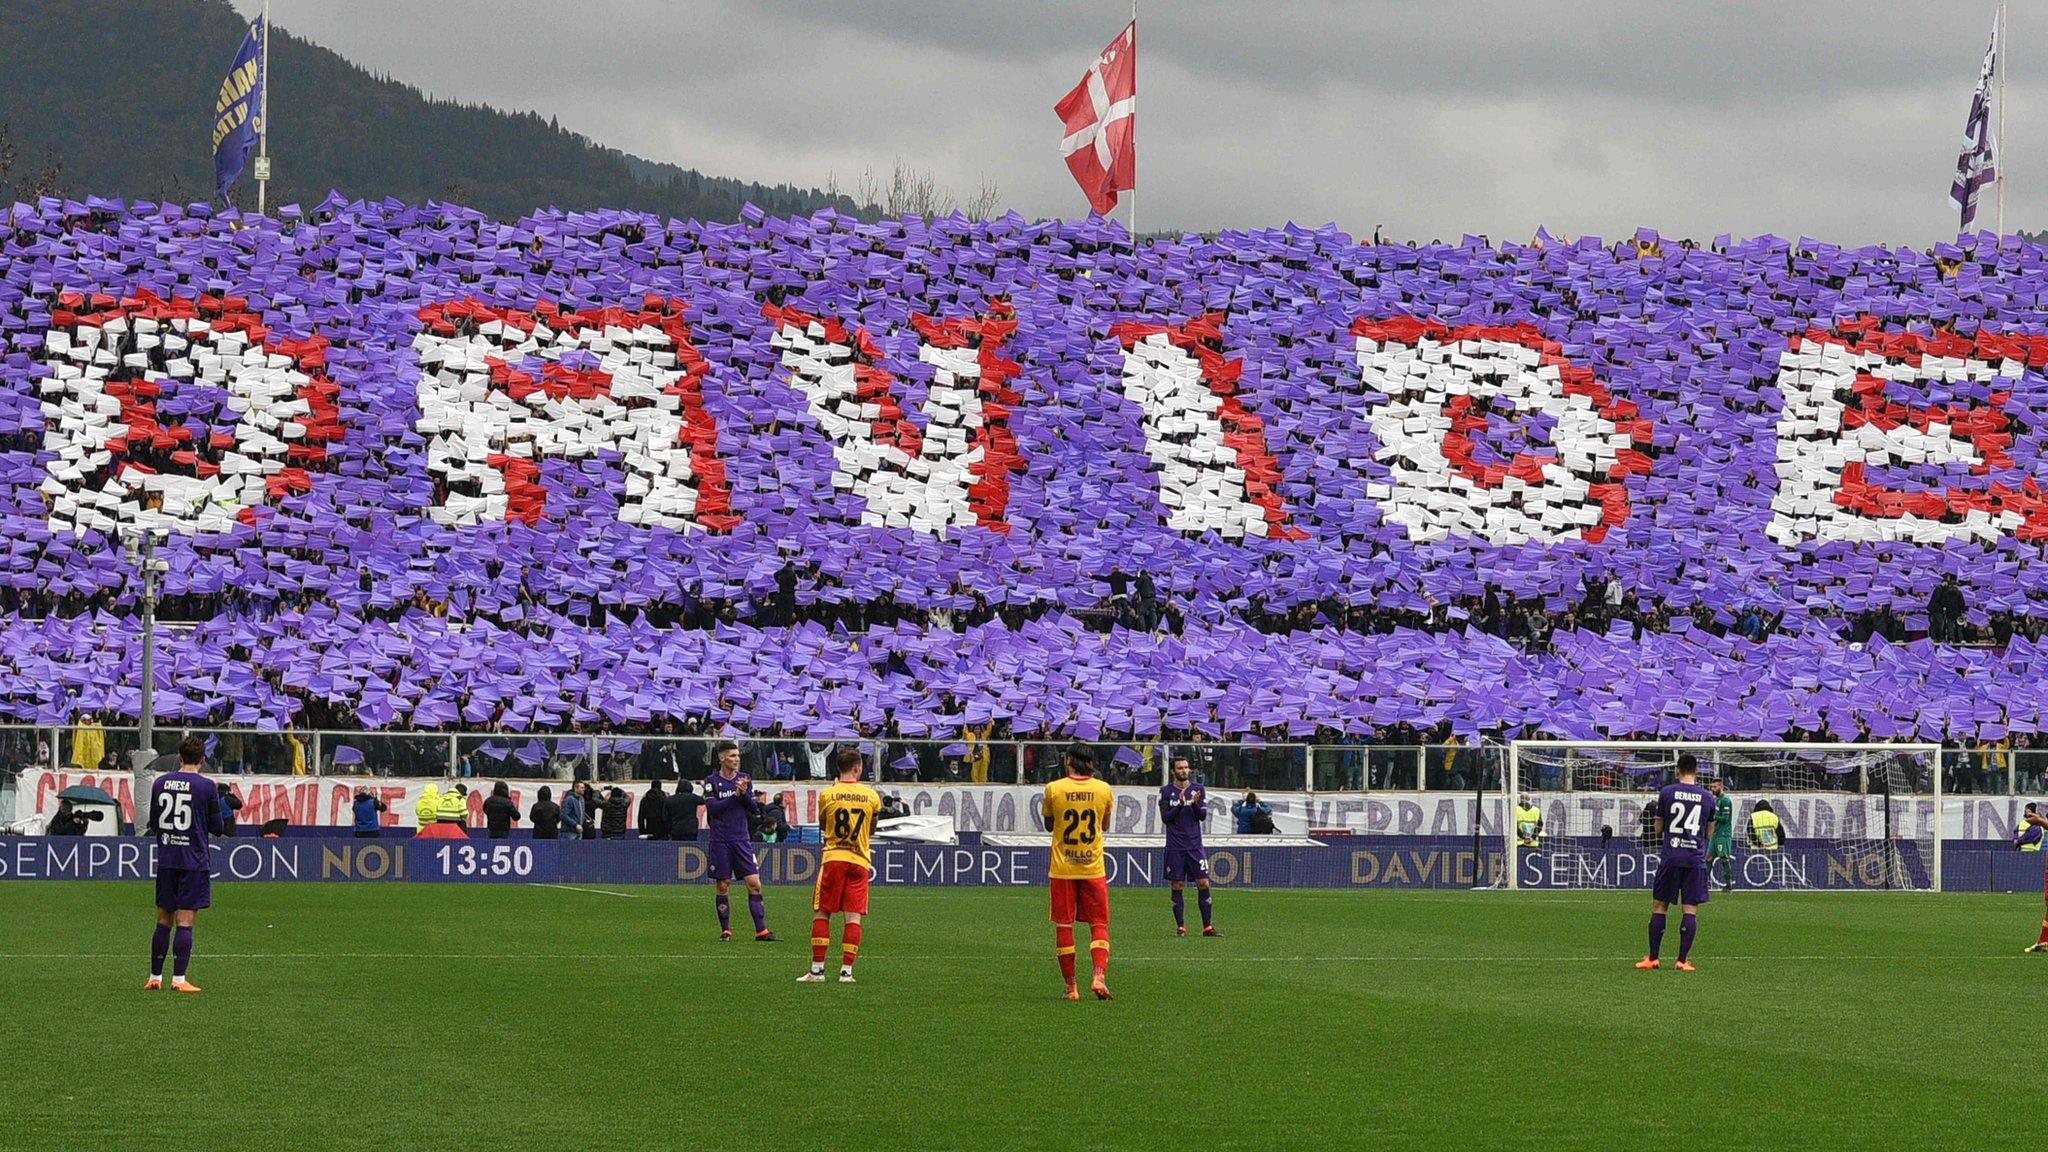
x,y
597,891
1121,958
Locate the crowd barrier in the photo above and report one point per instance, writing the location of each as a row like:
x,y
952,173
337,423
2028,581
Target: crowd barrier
x,y
1014,808
1445,862
1279,766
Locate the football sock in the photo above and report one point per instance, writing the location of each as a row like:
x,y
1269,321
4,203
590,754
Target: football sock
x,y
2044,932
1180,908
1688,926
760,911
181,952
1656,933
1208,906
725,913
1063,937
160,946
849,947
821,939
1098,947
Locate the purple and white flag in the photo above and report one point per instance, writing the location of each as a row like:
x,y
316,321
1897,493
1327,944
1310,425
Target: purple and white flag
x,y
1977,165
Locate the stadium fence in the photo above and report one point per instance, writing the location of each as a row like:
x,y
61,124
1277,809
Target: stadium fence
x,y
1306,767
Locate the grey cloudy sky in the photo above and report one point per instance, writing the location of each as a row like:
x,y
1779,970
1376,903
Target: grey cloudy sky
x,y
1434,117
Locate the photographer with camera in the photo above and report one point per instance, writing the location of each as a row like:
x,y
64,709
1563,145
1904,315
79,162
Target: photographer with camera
x,y
1254,816
70,821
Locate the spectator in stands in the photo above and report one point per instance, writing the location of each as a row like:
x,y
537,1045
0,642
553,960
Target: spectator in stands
x,y
682,811
816,757
774,824
654,813
573,812
617,807
368,823
1254,816
1146,603
1945,611
545,815
500,813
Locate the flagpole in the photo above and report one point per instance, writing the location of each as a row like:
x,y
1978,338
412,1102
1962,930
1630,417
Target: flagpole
x,y
263,128
1134,135
2004,55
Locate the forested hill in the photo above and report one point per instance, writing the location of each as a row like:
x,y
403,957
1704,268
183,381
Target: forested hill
x,y
120,94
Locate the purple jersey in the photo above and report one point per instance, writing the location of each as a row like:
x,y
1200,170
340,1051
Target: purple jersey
x,y
1686,810
1182,810
184,815
726,808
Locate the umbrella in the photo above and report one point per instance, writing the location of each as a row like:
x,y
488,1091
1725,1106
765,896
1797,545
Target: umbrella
x,y
85,794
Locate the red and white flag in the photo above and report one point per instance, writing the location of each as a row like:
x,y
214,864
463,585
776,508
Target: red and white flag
x,y
1101,144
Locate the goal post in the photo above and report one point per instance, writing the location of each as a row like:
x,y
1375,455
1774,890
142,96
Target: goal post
x,y
1806,816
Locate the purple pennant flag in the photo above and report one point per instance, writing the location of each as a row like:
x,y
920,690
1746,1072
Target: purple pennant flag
x,y
1977,164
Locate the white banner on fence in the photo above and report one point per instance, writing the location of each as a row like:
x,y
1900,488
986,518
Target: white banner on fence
x,y
328,800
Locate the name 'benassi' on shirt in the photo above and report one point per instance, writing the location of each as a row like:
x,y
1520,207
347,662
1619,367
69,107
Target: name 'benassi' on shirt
x,y
1687,811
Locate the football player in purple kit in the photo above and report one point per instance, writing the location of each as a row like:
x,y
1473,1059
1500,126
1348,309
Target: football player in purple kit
x,y
184,811
1183,804
1685,822
728,801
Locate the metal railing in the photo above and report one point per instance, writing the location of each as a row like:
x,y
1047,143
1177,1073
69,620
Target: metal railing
x,y
1359,767
610,756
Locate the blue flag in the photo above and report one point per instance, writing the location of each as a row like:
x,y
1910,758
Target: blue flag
x,y
238,111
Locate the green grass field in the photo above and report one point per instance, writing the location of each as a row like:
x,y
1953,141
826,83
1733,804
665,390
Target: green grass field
x,y
507,1017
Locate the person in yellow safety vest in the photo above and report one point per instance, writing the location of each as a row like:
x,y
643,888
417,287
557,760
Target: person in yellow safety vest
x,y
1528,823
1766,831
428,809
455,806
2027,837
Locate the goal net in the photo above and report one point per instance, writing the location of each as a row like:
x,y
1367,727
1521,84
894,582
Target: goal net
x,y
1806,816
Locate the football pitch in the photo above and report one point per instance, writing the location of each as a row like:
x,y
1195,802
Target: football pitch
x,y
508,1017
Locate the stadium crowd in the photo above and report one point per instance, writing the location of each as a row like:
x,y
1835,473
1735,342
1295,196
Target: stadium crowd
x,y
337,604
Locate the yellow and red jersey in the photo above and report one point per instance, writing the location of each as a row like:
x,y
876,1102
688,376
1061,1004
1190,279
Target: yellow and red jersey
x,y
846,819
1077,810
